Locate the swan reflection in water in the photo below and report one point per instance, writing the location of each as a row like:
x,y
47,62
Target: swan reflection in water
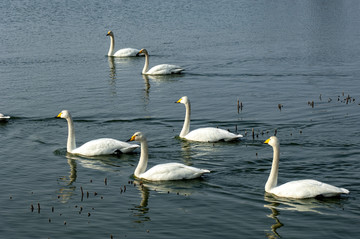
x,y
112,68
100,163
313,205
181,188
157,79
67,190
140,210
197,150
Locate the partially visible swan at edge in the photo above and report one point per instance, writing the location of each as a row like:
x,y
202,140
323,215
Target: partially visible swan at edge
x,y
162,172
103,146
163,69
209,134
125,52
4,117
307,188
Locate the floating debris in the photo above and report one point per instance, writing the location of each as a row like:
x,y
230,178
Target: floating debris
x,y
82,193
239,106
275,133
105,181
253,133
32,207
280,106
311,104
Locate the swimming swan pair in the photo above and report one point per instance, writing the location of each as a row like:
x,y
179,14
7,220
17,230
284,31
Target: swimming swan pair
x,y
163,69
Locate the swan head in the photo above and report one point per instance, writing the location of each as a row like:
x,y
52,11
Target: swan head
x,y
110,33
183,100
272,141
143,51
64,114
138,136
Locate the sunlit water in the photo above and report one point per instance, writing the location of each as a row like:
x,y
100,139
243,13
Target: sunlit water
x,y
274,57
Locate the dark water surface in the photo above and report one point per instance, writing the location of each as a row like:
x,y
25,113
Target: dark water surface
x,y
261,53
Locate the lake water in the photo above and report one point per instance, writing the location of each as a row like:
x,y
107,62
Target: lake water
x,y
260,53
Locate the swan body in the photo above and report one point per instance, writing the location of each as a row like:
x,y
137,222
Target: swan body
x,y
4,117
299,189
209,134
162,172
125,52
103,146
163,69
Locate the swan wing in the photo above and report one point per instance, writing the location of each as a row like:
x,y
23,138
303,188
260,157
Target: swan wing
x,y
125,52
211,135
104,146
172,171
307,188
164,69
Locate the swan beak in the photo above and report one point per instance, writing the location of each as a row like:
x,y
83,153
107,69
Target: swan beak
x,y
59,115
131,139
178,101
267,141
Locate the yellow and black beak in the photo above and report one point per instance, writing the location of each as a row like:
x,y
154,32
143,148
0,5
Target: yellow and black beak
x,y
267,141
131,139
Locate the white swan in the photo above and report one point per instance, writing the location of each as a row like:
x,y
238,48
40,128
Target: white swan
x,y
162,172
299,189
125,52
209,134
103,146
4,117
163,69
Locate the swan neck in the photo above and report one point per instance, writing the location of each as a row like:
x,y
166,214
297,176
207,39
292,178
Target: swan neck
x,y
186,127
146,66
144,155
112,45
71,143
273,177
